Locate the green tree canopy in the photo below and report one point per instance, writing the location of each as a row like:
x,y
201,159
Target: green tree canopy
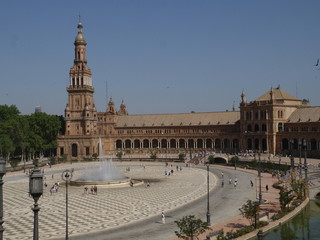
x,y
250,210
190,227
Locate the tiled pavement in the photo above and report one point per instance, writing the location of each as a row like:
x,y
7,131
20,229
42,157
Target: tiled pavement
x,y
111,207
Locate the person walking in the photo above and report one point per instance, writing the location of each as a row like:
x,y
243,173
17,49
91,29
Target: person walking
x,y
267,188
163,218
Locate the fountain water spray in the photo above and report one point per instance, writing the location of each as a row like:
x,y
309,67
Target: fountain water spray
x,y
105,171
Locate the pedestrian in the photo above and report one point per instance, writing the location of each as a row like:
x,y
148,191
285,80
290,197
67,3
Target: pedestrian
x,y
235,183
86,190
163,217
148,184
52,176
131,183
267,188
221,174
230,180
222,183
95,189
91,189
251,183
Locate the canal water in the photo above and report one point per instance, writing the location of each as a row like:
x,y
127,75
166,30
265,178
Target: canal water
x,y
306,225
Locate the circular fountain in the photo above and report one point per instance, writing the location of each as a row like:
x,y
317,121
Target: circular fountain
x,y
105,174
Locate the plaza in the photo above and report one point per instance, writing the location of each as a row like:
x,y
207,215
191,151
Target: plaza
x,y
110,208
114,209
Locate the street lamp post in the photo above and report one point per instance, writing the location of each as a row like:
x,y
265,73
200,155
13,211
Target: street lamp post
x,y
305,160
259,175
66,176
36,190
2,173
208,201
300,166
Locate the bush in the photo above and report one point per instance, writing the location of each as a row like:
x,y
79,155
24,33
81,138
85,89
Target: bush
x,y
153,156
64,157
35,162
211,159
52,161
95,156
181,156
234,160
14,163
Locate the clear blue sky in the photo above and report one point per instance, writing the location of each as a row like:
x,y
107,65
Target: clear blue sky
x,y
165,56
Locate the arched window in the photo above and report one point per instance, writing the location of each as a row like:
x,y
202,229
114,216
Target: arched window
x,y
74,150
119,144
136,143
264,144
164,143
217,143
226,144
256,144
127,143
182,143
263,127
256,127
285,144
173,143
155,143
208,143
235,143
190,143
145,143
249,128
199,143
313,144
249,144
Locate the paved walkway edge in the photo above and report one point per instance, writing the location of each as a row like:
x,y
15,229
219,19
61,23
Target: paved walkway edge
x,y
277,223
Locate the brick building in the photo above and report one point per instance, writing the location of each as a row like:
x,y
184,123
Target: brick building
x,y
276,122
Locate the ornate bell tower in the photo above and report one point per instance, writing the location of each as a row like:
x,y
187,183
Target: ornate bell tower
x,y
80,113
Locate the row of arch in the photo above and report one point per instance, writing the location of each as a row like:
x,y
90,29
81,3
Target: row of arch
x,y
295,144
177,143
257,144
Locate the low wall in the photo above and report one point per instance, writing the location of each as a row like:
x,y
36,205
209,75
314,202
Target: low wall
x,y
277,223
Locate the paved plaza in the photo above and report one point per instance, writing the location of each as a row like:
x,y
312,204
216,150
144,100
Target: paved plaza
x,y
110,208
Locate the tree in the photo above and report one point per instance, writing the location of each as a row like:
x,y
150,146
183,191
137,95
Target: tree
x,y
298,187
181,156
119,155
153,156
190,227
211,159
285,198
250,211
6,146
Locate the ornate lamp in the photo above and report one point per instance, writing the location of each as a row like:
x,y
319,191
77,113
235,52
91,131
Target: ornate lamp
x,y
2,173
66,176
36,190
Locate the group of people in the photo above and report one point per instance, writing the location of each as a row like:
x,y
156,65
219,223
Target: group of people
x,y
93,190
54,188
